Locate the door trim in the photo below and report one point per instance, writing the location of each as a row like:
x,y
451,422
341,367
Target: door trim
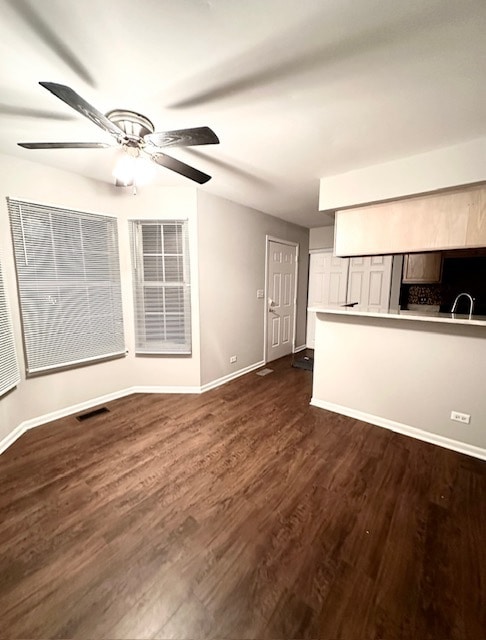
x,y
269,239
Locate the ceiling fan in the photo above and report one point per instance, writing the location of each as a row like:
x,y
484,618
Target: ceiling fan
x,y
133,132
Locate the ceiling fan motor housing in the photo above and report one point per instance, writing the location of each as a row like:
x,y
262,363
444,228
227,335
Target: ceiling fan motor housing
x,y
134,125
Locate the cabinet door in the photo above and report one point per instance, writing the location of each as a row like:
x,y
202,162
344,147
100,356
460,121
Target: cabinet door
x,y
422,267
451,220
328,276
369,282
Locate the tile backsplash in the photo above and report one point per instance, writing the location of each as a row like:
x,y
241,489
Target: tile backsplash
x,y
421,294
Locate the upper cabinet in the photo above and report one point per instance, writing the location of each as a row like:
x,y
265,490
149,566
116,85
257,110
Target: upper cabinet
x,y
422,267
449,220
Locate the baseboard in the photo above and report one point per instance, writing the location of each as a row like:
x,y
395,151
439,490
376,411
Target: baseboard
x,y
231,376
10,438
301,348
60,413
404,429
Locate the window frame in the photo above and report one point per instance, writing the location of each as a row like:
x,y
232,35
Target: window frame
x,y
144,345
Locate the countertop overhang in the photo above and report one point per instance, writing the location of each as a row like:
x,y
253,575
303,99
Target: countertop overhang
x,y
449,318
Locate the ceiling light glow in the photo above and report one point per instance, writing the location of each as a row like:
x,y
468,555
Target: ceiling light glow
x,y
130,170
124,171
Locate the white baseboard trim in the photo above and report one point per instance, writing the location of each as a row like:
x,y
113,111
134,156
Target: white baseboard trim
x,y
404,429
60,413
231,376
10,438
301,348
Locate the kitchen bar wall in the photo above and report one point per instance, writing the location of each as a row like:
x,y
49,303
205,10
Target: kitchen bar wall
x,y
405,375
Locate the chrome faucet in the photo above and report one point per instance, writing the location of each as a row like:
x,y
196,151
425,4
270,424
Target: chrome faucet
x,y
471,303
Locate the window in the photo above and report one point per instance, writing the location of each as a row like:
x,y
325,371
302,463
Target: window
x,y
9,370
69,285
161,284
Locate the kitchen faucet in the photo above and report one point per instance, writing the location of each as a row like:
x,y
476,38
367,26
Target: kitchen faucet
x,y
471,303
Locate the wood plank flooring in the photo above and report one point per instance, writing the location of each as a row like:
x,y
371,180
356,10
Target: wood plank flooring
x,y
240,513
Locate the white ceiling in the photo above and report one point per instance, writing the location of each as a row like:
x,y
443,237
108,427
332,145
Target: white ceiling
x,y
295,89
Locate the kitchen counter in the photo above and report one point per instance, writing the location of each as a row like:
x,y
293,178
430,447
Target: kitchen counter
x,y
404,371
450,318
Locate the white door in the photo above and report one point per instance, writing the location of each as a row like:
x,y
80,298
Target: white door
x,y
282,259
328,278
369,282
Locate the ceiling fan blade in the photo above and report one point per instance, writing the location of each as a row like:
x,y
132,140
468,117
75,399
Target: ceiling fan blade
x,y
180,167
183,137
63,145
71,98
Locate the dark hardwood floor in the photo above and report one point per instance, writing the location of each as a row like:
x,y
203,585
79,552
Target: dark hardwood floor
x,y
240,513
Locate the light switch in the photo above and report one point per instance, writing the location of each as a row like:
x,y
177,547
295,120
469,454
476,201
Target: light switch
x,y
260,293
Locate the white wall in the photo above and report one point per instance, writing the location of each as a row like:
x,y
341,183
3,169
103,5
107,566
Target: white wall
x,y
321,238
44,394
408,372
443,168
231,269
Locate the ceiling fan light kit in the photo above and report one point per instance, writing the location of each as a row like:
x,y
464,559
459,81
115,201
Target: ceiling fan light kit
x,y
124,172
135,134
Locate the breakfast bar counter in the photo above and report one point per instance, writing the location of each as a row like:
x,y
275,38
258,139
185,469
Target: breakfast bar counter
x,y
449,318
405,371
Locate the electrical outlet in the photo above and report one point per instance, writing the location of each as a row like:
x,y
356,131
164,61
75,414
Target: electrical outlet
x,y
233,359
465,418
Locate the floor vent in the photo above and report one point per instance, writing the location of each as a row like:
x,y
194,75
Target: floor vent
x,y
92,414
264,372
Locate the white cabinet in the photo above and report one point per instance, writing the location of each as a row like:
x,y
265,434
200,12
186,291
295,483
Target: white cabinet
x,y
373,282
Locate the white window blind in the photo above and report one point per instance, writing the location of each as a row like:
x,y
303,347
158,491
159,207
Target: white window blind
x,y
68,277
9,369
162,288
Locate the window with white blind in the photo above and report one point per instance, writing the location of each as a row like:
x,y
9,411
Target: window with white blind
x,y
162,286
9,368
68,277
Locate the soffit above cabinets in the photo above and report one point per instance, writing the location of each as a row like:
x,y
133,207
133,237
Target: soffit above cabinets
x,y
444,168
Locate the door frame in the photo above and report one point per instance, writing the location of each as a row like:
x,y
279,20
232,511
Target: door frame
x,y
269,239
